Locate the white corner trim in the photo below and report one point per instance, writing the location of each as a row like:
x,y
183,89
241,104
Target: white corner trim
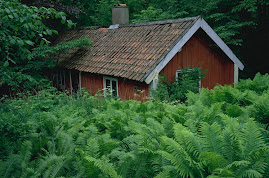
x,y
174,50
151,76
235,74
210,32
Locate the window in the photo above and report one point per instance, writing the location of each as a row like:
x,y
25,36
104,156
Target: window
x,y
189,74
110,86
61,79
137,89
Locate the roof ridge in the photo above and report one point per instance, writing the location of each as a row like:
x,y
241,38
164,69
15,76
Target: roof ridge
x,y
161,22
139,23
90,27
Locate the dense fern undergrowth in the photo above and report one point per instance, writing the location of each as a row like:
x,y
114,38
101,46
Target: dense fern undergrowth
x,y
216,133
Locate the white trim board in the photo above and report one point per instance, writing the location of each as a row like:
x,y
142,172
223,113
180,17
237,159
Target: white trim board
x,y
200,23
235,74
111,79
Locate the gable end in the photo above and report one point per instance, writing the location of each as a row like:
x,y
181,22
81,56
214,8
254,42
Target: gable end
x,y
200,23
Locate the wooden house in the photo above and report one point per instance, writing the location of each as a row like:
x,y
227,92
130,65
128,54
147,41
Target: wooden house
x,y
129,57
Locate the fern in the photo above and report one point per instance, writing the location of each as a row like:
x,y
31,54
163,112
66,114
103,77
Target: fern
x,y
211,137
191,143
57,168
47,164
12,166
104,166
231,137
17,164
182,161
251,138
212,160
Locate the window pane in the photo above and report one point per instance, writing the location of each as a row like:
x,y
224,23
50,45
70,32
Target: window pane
x,y
114,88
107,84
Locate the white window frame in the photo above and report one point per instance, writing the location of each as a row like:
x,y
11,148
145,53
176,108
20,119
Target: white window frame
x,y
104,85
180,71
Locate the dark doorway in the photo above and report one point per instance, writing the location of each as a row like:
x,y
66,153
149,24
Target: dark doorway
x,y
75,80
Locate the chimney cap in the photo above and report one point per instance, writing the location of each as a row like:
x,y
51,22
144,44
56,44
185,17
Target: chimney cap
x,y
120,5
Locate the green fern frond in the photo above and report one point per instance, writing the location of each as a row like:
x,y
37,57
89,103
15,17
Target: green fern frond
x,y
184,164
156,127
29,172
66,144
25,152
167,170
231,148
92,148
260,166
259,153
237,164
104,166
251,138
11,165
180,165
187,139
211,137
57,168
45,164
250,173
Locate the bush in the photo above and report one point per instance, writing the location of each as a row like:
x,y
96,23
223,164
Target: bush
x,y
187,80
52,134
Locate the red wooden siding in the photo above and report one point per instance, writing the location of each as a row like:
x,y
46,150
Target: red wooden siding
x,y
94,83
127,91
196,53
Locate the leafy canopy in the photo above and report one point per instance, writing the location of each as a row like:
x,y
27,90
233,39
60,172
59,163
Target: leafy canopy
x,y
22,32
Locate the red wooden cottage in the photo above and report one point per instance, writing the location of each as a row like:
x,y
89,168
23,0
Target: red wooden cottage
x,y
130,57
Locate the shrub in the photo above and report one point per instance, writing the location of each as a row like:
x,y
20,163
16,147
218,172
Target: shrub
x,y
187,80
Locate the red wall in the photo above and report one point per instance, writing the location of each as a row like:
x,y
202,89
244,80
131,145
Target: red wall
x,y
94,83
196,53
126,90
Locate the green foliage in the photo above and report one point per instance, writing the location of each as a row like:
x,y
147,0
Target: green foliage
x,y
195,154
187,80
24,45
52,134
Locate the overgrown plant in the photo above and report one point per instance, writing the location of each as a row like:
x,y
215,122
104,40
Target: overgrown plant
x,y
24,45
216,133
188,79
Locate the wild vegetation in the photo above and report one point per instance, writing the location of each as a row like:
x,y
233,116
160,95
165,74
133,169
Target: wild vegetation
x,y
188,79
217,133
25,50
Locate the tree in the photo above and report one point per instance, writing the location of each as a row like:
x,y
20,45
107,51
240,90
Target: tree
x,y
23,33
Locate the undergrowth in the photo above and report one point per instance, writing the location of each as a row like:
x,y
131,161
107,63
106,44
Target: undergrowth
x,y
216,133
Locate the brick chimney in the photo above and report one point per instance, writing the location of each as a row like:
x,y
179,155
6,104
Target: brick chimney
x,y
120,14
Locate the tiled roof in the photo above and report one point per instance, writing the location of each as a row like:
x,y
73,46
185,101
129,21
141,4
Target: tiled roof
x,y
129,51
